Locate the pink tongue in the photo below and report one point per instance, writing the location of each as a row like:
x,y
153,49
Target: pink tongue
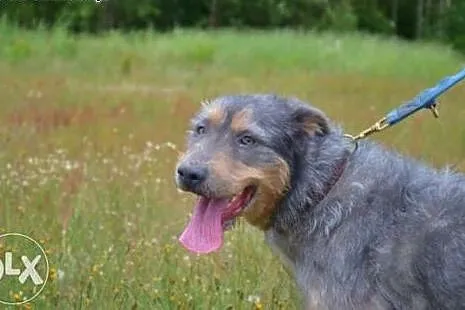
x,y
204,233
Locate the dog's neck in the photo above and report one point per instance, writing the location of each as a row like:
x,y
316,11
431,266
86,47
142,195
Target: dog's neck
x,y
314,175
334,175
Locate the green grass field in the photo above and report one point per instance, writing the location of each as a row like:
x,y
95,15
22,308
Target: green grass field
x,y
91,127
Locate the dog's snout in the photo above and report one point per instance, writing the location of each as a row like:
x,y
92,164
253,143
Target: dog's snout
x,y
191,176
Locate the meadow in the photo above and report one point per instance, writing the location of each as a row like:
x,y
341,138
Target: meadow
x,y
91,128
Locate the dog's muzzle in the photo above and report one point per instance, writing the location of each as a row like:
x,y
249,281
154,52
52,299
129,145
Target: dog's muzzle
x,y
190,177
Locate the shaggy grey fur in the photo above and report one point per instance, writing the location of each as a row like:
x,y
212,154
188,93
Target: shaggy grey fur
x,y
390,233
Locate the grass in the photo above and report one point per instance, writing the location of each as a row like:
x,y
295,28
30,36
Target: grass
x,y
91,128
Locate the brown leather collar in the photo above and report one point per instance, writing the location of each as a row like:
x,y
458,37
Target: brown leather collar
x,y
337,173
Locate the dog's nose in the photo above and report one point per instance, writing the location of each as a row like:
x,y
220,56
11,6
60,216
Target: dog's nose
x,y
191,176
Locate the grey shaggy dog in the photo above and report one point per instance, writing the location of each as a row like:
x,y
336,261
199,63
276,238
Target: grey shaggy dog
x,y
358,229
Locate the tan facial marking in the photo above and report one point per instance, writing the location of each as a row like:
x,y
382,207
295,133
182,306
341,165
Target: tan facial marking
x,y
271,184
241,120
271,187
216,115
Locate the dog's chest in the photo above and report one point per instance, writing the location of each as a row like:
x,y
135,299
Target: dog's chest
x,y
316,276
280,247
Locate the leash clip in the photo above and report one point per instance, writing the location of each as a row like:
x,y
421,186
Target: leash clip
x,y
434,109
376,127
424,100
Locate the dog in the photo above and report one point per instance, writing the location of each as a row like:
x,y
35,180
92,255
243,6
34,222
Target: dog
x,y
357,228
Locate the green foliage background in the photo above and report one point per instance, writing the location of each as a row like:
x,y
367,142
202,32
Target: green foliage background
x,y
412,19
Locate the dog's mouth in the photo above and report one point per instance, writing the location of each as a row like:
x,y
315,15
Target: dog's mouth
x,y
211,218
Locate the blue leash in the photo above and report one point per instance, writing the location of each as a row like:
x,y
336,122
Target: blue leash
x,y
424,100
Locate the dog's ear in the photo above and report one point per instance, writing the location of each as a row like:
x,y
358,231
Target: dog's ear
x,y
311,120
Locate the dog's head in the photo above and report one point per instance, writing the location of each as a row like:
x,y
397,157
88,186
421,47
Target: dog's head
x,y
240,156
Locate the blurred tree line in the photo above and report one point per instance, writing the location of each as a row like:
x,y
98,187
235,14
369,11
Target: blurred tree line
x,y
411,19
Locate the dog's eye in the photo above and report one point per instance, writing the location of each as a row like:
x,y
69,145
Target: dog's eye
x,y
200,129
246,140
